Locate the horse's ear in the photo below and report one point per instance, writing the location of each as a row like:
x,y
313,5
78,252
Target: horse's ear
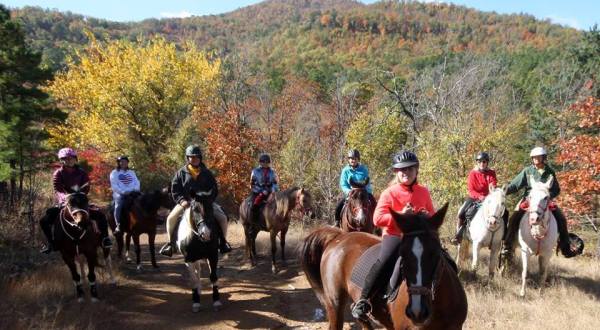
x,y
438,218
504,188
402,219
165,190
352,182
491,187
302,190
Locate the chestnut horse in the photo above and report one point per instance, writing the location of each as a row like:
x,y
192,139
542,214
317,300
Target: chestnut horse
x,y
357,214
139,216
274,218
77,236
430,296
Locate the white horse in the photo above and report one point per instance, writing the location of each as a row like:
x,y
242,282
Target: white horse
x,y
538,231
197,240
486,229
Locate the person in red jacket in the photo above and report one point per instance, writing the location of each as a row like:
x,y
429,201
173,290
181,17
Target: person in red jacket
x,y
478,183
405,194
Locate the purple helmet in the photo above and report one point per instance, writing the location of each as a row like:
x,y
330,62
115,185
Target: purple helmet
x,y
66,152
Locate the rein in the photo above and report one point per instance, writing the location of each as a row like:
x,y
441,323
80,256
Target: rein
x,y
63,219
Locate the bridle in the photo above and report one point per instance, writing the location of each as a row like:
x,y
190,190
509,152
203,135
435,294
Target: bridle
x,y
352,225
542,216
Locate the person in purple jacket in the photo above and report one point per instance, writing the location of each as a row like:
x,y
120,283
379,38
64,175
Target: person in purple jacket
x,y
68,179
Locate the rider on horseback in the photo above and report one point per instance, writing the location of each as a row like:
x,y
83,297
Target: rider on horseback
x,y
353,172
403,195
192,178
263,182
478,183
541,172
122,180
68,177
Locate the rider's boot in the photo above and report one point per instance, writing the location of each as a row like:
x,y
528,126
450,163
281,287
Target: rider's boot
x,y
362,306
224,246
563,234
506,255
46,224
457,239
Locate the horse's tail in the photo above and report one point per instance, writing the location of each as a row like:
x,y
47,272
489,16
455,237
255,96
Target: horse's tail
x,y
310,255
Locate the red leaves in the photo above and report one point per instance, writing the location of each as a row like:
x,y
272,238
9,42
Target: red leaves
x,y
99,173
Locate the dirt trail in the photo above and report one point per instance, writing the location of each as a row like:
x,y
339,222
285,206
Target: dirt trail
x,y
253,297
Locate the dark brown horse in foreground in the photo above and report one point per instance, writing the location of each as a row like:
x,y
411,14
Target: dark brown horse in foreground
x,y
77,236
357,214
274,218
430,296
140,217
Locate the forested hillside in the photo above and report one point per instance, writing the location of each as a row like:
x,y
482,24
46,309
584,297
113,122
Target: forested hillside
x,y
307,79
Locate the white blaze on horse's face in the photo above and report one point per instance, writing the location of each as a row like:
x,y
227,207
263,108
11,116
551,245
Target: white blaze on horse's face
x,y
539,197
494,207
417,250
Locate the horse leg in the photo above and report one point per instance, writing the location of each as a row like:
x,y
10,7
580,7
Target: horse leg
x,y
476,247
194,271
70,261
138,251
274,268
91,261
151,238
334,307
282,243
494,251
108,261
525,260
213,265
127,246
543,262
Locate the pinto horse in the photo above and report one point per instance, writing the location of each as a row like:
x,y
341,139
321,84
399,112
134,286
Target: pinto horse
x,y
77,236
197,240
486,230
139,216
274,218
430,296
357,213
538,231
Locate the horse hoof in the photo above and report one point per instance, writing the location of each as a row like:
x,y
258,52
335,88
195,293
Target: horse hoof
x,y
95,300
80,300
139,268
128,260
275,269
217,305
195,307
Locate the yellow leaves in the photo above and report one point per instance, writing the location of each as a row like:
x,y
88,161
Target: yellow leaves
x,y
131,97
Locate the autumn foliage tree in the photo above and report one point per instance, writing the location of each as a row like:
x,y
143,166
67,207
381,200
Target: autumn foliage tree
x,y
580,181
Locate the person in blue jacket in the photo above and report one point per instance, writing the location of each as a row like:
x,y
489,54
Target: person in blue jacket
x,y
356,173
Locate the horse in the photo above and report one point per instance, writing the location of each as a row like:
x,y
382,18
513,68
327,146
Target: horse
x,y
486,229
430,296
139,216
274,218
357,213
538,231
197,240
77,236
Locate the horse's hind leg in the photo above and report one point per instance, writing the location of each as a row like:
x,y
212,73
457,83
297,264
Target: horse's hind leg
x,y
70,261
543,261
127,246
151,238
274,268
282,243
334,307
138,251
494,251
108,261
213,265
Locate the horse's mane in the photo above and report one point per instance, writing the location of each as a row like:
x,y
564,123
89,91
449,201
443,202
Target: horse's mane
x,y
282,199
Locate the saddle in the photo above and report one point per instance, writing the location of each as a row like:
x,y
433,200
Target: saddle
x,y
471,212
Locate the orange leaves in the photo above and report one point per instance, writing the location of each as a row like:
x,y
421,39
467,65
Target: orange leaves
x,y
579,154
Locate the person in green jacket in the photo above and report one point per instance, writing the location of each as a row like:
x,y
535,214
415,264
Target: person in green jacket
x,y
541,172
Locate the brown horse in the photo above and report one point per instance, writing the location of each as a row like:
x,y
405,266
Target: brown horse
x,y
77,236
430,296
139,216
357,214
274,218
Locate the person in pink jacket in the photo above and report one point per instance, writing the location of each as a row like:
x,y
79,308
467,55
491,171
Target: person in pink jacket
x,y
404,195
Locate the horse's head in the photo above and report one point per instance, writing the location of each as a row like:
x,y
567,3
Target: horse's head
x,y
359,205
421,260
493,207
198,215
77,204
304,201
539,201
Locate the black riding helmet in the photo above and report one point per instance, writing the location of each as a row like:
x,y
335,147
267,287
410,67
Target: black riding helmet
x,y
404,159
353,153
483,156
193,150
264,158
122,157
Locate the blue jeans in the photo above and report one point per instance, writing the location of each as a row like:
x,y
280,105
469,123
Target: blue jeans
x,y
118,209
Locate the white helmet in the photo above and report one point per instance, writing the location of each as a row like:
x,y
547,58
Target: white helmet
x,y
538,151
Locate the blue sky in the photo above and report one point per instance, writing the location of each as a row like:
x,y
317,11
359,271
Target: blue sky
x,y
581,14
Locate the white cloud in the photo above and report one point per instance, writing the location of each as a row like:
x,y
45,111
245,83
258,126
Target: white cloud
x,y
568,21
181,14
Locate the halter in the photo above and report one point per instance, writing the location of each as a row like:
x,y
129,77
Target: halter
x,y
62,221
439,268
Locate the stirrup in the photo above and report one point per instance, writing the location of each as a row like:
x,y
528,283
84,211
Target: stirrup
x,y
47,248
361,308
167,250
225,248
